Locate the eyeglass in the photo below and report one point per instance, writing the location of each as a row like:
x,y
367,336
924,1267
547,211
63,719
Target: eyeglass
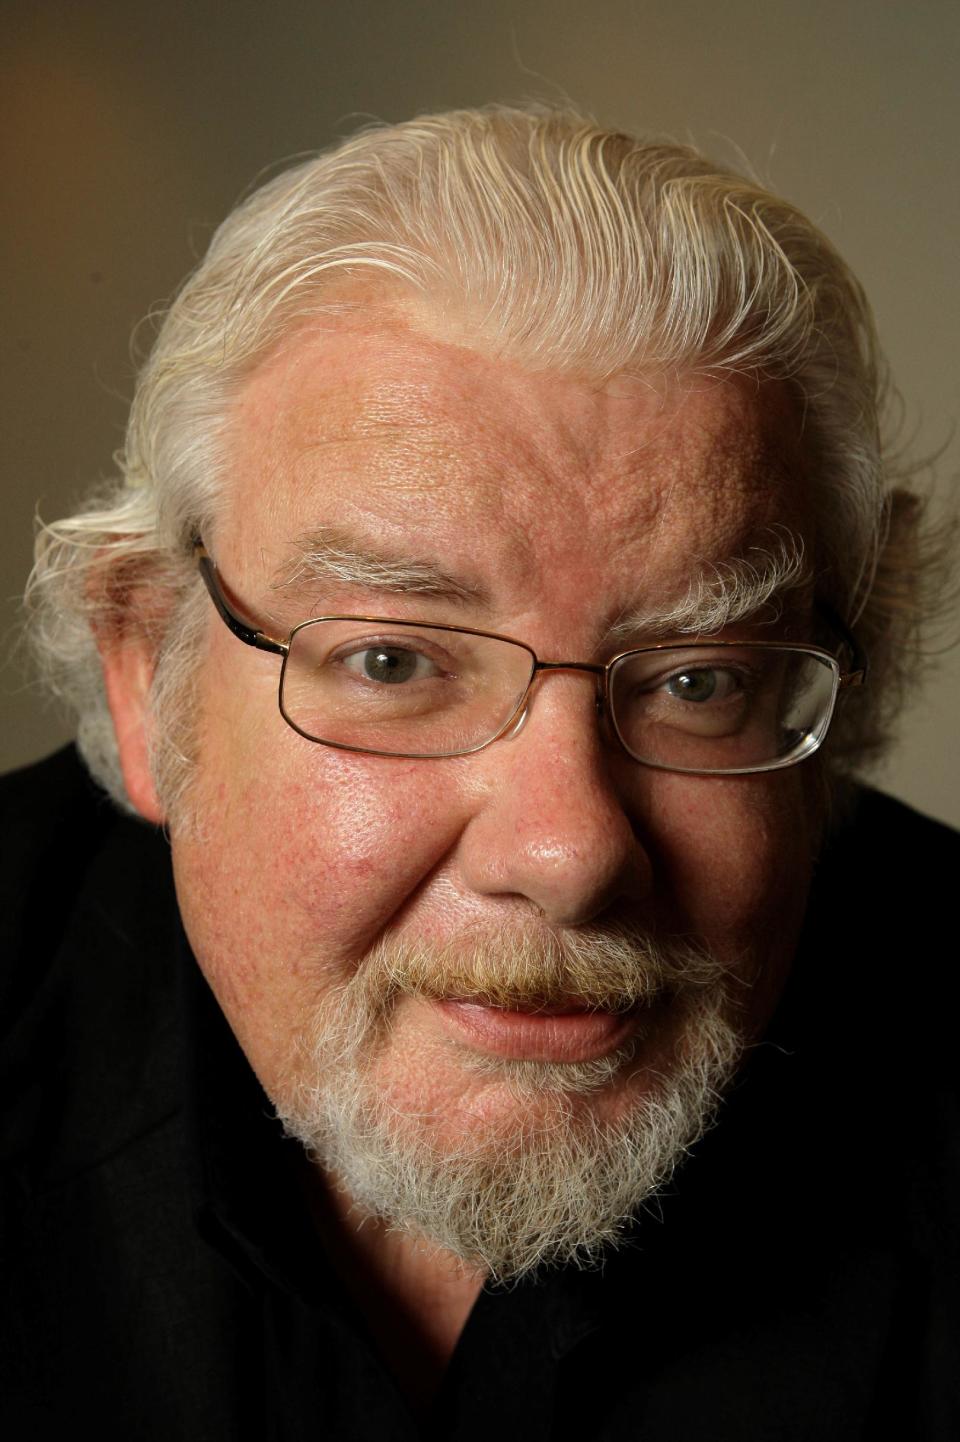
x,y
414,689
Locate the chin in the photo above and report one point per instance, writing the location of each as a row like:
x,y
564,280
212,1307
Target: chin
x,y
526,1163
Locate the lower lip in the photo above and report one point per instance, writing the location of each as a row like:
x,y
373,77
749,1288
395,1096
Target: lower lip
x,y
548,1036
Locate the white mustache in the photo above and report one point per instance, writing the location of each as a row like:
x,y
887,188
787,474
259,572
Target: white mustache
x,y
613,967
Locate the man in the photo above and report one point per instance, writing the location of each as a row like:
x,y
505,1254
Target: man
x,y
535,471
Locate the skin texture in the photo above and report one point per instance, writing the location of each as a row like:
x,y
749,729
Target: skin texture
x,y
569,504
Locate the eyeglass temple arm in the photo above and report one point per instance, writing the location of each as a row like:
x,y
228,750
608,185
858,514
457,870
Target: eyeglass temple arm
x,y
242,629
857,674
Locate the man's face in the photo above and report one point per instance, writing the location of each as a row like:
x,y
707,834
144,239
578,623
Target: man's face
x,y
555,509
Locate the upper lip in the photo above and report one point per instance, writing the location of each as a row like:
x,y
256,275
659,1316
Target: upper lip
x,y
533,1007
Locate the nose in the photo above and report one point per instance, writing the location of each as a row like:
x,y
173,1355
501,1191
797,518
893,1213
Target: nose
x,y
556,817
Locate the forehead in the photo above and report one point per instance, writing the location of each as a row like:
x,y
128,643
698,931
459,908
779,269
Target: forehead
x,y
503,475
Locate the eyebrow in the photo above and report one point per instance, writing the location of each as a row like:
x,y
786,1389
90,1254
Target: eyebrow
x,y
332,554
723,592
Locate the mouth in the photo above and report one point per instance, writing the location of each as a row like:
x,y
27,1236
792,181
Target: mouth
x,y
549,1032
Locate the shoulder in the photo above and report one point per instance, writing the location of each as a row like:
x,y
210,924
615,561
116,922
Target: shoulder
x,y
870,1004
880,911
884,836
46,789
52,817
99,1189
87,928
54,821
882,884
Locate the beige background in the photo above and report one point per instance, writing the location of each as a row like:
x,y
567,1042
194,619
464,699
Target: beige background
x,y
128,129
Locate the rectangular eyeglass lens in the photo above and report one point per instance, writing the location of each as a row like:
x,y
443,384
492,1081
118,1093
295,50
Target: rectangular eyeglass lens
x,y
400,687
722,708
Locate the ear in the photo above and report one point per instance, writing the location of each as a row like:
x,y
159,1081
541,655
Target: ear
x,y
128,662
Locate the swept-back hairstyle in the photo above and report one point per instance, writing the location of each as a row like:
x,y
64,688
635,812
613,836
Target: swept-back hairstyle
x,y
559,244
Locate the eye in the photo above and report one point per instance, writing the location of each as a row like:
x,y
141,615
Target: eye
x,y
390,665
702,683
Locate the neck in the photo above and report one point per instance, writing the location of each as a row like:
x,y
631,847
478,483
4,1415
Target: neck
x,y
415,1298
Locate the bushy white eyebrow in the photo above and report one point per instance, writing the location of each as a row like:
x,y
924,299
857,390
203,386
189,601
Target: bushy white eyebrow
x,y
726,591
721,593
330,553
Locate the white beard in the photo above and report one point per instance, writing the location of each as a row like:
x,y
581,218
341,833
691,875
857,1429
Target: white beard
x,y
548,1181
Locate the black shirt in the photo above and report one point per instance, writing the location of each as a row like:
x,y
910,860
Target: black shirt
x,y
162,1279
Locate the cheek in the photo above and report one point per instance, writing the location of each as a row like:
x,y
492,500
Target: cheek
x,y
298,865
356,837
737,856
315,849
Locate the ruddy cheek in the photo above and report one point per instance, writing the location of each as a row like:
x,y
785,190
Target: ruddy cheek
x,y
360,837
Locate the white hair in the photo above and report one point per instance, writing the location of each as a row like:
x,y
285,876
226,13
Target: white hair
x,y
558,243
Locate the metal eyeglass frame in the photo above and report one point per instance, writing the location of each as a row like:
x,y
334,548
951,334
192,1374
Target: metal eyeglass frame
x,y
251,635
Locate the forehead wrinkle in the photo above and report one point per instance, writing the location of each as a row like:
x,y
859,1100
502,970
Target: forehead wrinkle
x,y
389,426
398,460
724,467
